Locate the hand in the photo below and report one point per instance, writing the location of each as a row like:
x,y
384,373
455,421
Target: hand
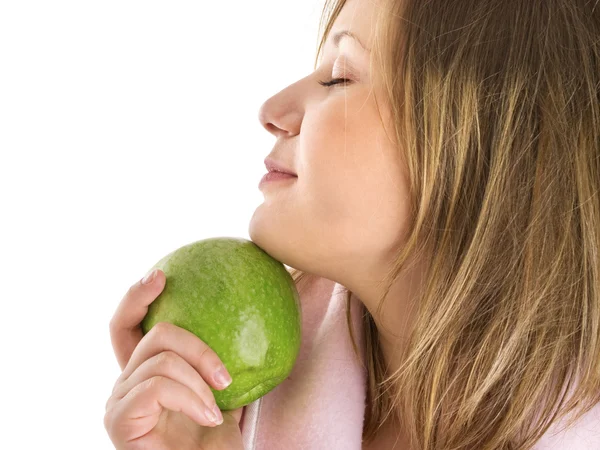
x,y
159,400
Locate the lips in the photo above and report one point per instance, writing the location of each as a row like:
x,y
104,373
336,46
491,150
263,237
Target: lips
x,y
276,166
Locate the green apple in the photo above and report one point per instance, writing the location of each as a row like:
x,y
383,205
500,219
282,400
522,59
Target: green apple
x,y
242,303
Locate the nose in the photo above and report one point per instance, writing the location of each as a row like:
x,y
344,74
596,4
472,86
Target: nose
x,y
281,115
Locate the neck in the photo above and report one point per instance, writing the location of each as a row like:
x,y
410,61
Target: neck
x,y
388,437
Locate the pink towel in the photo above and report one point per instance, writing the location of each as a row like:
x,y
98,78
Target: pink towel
x,y
322,403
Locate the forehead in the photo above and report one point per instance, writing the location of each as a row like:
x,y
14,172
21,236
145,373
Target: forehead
x,y
357,16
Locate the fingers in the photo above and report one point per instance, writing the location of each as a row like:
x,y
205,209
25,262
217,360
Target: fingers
x,y
169,365
237,414
168,337
139,411
125,330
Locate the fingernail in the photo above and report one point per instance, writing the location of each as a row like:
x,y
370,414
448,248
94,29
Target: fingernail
x,y
149,277
214,415
222,377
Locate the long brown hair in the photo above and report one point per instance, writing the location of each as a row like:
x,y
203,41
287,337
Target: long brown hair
x,y
496,107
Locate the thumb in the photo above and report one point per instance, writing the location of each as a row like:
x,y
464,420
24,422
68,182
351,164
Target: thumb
x,y
125,329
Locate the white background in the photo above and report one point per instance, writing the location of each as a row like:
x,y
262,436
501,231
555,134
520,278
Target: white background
x,y
127,129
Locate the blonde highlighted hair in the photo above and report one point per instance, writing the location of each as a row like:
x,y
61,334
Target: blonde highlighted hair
x,y
496,112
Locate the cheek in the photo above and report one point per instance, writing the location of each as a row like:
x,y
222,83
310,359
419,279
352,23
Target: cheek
x,y
376,216
329,164
354,190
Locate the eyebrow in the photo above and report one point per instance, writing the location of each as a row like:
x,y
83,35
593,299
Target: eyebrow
x,y
346,33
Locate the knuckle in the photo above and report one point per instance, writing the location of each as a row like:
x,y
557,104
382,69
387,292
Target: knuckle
x,y
207,356
160,330
204,350
150,384
167,359
154,382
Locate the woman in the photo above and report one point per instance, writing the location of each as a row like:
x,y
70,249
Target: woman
x,y
447,162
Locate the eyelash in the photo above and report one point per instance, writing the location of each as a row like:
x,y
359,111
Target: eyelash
x,y
335,81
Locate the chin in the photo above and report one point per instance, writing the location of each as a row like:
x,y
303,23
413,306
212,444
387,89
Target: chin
x,y
254,227
261,232
264,234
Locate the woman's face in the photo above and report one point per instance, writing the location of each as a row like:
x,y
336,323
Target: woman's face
x,y
347,209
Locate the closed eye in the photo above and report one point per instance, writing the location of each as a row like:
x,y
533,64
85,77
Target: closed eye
x,y
335,81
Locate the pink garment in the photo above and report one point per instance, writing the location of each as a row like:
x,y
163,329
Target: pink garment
x,y
322,403
584,435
